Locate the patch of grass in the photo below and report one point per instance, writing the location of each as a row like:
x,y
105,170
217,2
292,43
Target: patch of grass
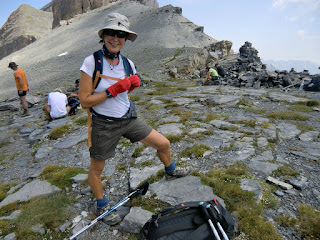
x,y
82,121
229,148
254,225
310,103
283,115
285,171
182,89
7,156
244,102
300,108
255,110
59,132
146,164
225,183
304,127
4,188
153,107
209,118
152,122
6,210
309,222
170,103
266,124
135,98
138,150
50,211
268,198
173,138
60,176
154,178
150,204
162,89
287,221
232,128
4,143
125,142
196,150
121,167
185,117
249,123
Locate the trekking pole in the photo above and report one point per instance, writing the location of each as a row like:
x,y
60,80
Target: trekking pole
x,y
207,217
211,213
140,191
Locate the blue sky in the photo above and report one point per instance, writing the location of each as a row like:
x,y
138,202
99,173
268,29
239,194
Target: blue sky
x,y
278,29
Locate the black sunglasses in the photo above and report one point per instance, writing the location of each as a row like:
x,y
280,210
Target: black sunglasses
x,y
112,33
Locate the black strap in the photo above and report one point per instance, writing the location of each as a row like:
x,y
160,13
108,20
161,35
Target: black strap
x,y
203,229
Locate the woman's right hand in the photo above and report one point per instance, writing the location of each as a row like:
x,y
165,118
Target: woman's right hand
x,y
119,87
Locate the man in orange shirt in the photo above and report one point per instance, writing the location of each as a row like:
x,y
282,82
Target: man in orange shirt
x,y
21,84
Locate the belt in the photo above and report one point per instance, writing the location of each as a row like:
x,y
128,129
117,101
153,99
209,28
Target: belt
x,y
110,119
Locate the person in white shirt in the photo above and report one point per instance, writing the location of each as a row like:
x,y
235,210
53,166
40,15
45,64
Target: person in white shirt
x,y
57,106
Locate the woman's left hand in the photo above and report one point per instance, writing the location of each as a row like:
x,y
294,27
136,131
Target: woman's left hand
x,y
135,82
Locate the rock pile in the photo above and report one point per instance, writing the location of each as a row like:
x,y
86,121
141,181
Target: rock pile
x,y
247,70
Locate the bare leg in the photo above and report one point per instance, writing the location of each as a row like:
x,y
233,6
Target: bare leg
x,y
24,102
47,110
96,168
161,144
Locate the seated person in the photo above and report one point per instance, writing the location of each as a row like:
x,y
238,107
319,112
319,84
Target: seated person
x,y
57,106
220,70
211,75
75,92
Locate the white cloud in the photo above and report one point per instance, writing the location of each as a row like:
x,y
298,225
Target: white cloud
x,y
304,35
296,10
301,33
309,5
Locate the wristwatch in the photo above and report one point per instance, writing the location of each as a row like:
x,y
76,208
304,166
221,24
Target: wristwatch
x,y
109,95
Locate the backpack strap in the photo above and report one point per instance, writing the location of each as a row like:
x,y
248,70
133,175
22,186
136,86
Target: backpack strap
x,y
98,63
193,204
127,66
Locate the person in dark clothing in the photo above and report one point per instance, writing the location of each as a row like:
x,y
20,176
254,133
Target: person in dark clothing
x,y
220,70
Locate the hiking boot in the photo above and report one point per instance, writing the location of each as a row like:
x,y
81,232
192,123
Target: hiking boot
x,y
25,113
111,219
178,173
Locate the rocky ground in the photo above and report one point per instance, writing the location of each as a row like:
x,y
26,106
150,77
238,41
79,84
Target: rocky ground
x,y
242,132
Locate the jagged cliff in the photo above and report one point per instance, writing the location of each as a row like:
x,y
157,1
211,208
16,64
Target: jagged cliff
x,y
67,9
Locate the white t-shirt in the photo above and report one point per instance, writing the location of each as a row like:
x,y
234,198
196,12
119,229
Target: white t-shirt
x,y
57,102
111,107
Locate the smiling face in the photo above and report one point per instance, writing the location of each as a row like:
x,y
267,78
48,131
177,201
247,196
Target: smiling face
x,y
114,43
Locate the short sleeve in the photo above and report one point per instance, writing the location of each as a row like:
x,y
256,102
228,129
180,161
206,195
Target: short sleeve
x,y
88,65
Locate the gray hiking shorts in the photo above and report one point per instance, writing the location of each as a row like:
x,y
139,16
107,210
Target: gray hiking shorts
x,y
106,134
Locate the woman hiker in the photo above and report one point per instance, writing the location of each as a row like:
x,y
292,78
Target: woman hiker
x,y
110,106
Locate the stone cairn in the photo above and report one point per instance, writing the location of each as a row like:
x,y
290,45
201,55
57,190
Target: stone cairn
x,y
249,71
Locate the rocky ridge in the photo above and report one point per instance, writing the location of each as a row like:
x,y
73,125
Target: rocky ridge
x,y
24,26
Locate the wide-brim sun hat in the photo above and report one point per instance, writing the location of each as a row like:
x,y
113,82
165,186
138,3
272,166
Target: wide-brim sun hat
x,y
119,22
